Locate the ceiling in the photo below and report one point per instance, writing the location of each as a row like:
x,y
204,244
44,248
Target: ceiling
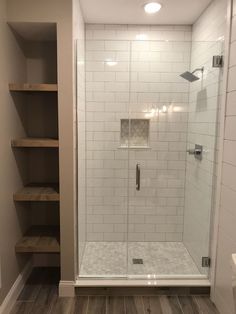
x,y
35,31
131,11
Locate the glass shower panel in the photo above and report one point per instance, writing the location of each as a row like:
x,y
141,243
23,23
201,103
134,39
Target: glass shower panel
x,y
203,129
104,253
158,106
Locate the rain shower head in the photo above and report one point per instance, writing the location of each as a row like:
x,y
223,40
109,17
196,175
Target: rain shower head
x,y
189,76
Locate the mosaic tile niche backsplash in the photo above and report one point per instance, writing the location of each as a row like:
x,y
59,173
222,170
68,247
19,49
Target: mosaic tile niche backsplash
x,y
138,134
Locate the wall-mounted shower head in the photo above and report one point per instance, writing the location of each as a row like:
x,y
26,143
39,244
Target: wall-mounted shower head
x,y
189,76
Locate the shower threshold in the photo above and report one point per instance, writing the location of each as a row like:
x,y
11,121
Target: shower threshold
x,y
157,282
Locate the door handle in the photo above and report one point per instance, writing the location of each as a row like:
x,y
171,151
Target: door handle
x,y
138,177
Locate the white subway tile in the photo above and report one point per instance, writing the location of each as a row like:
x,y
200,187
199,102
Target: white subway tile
x,y
95,45
228,175
94,66
103,76
155,236
232,79
114,219
117,45
230,128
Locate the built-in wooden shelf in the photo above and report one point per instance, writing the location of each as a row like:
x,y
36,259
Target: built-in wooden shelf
x,y
38,192
35,142
40,239
25,87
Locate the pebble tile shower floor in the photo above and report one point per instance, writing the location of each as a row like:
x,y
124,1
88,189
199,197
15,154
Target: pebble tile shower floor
x,y
160,258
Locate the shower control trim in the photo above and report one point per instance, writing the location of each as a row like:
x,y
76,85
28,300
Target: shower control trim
x,y
196,152
217,62
138,177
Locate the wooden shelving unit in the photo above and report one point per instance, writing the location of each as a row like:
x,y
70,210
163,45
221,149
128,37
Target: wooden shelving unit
x,y
25,87
37,192
36,103
35,142
40,239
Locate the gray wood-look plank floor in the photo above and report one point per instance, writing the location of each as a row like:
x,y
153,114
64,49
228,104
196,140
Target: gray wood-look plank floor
x,y
40,296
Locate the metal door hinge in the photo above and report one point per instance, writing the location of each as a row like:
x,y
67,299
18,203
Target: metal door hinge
x,y
206,262
137,261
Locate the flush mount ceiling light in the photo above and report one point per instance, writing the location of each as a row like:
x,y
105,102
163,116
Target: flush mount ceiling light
x,y
152,7
111,63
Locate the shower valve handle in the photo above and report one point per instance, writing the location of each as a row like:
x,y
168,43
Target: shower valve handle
x,y
191,151
196,152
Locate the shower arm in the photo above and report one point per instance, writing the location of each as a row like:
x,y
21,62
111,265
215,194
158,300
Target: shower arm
x,y
198,69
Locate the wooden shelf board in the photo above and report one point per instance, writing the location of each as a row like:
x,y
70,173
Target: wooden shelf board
x,y
40,239
35,142
38,192
25,87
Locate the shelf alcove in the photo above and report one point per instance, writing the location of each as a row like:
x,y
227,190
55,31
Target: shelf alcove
x,y
38,112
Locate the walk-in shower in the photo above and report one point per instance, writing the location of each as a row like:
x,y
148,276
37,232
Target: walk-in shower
x,y
144,203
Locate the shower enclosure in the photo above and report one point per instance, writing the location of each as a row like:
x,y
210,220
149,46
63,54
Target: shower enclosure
x,y
144,198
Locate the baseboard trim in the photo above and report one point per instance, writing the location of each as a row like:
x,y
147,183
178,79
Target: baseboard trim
x,y
15,290
66,288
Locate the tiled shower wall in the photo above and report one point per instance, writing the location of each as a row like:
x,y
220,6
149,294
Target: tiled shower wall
x,y
203,127
224,297
147,61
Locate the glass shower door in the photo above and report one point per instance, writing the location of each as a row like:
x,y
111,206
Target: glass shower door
x,y
203,129
144,203
158,119
168,115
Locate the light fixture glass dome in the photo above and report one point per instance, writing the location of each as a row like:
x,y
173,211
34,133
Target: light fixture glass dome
x,y
152,7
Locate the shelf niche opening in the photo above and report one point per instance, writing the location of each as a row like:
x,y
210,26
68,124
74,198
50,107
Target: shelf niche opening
x,y
38,45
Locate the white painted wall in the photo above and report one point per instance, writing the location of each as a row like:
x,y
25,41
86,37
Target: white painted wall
x,y
204,107
13,219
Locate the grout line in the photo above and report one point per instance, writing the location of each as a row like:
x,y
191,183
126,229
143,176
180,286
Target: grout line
x,y
179,304
124,308
125,305
229,163
143,304
86,312
26,301
106,303
198,305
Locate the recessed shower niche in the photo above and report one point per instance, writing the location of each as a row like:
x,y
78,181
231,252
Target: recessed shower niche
x,y
134,133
